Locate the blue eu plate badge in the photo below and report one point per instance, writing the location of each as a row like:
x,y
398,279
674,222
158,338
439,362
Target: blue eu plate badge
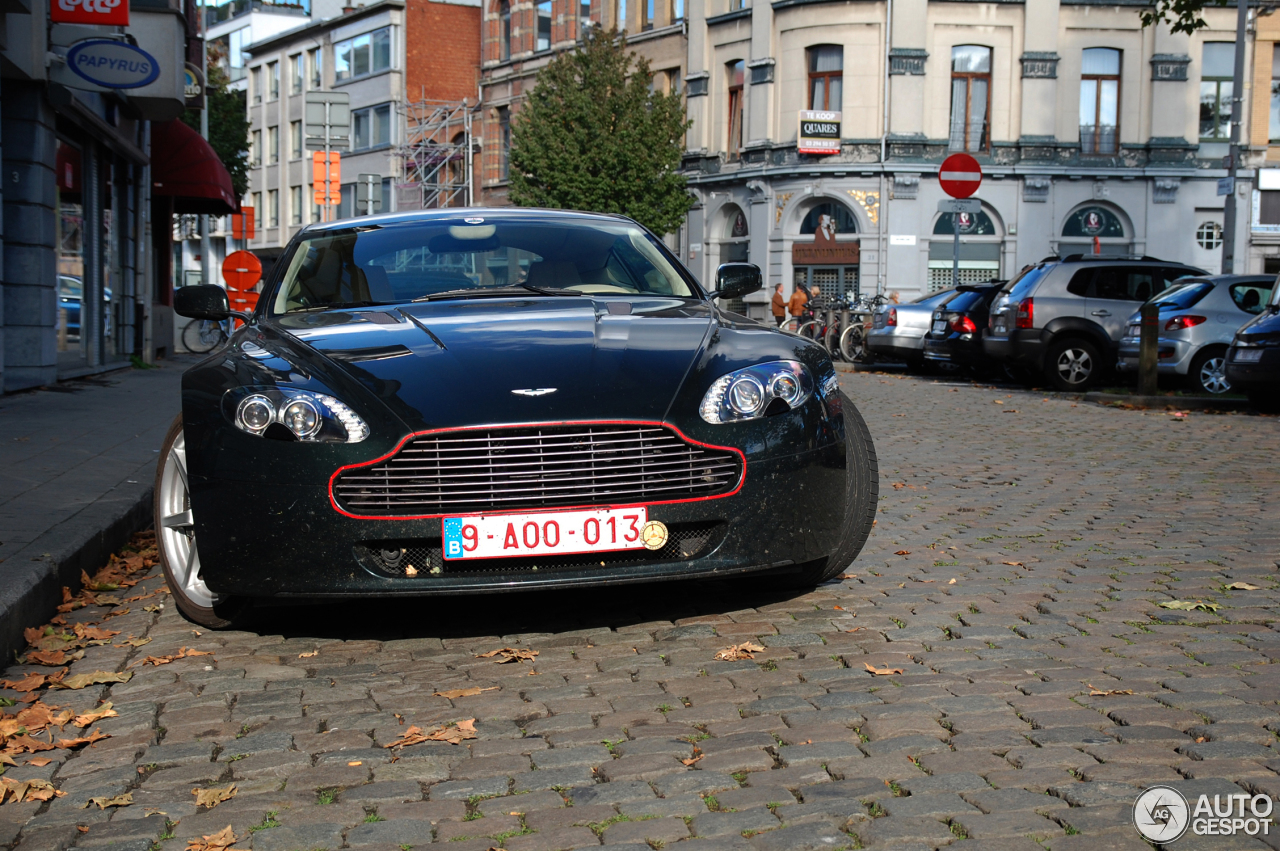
x,y
453,538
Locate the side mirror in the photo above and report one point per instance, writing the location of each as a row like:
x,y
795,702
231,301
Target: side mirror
x,y
202,301
734,280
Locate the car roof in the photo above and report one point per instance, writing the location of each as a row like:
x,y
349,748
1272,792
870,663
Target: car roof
x,y
453,213
1113,258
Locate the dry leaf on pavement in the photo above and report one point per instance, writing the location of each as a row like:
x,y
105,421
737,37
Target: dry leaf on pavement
x,y
455,693
53,658
82,680
1013,563
213,796
95,736
952,582
19,744
1094,691
737,652
31,682
881,672
153,608
309,655
453,734
94,633
182,653
1243,586
509,654
39,761
134,642
16,791
103,711
1189,605
118,801
220,841
903,553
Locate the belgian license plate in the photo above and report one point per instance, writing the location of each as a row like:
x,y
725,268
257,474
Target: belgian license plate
x,y
998,328
1135,330
939,326
1248,355
544,533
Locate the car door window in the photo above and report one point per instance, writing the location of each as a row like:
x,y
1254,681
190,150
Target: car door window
x,y
1250,297
1079,285
1120,283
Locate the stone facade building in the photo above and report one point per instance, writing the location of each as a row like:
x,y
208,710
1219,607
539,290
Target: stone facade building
x,y
1091,132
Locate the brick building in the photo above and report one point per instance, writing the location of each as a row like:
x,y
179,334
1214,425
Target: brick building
x,y
522,36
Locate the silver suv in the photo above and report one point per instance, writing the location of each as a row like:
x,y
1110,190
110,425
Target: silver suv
x,y
1063,318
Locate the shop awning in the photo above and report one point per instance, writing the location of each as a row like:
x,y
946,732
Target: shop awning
x,y
186,168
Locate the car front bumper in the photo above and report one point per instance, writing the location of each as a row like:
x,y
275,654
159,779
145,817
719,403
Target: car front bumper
x,y
1174,356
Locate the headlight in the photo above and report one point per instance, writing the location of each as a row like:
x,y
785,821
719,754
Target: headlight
x,y
306,416
750,393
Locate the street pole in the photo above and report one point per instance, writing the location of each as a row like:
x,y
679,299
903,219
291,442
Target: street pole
x,y
1230,207
324,214
205,245
955,252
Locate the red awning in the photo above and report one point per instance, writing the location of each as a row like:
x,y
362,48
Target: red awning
x,y
186,168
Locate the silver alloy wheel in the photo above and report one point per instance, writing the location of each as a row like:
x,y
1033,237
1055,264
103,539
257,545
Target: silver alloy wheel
x,y
1213,375
1074,365
177,528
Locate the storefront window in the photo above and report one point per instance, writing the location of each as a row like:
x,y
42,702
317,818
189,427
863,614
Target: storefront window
x,y
69,224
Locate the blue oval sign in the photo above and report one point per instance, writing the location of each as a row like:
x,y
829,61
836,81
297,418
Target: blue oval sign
x,y
113,64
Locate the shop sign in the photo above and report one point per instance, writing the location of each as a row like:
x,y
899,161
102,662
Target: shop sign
x,y
193,86
113,13
112,64
824,250
819,132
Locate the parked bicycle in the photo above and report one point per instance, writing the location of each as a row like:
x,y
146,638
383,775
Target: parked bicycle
x,y
204,335
853,339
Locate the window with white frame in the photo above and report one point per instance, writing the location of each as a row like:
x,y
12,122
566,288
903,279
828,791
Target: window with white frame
x,y
295,205
273,208
296,74
365,54
544,26
255,148
316,63
273,80
295,139
1099,101
1217,71
273,144
371,128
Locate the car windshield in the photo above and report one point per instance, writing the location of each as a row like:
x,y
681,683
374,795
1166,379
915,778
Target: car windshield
x,y
935,299
1182,296
474,258
1021,286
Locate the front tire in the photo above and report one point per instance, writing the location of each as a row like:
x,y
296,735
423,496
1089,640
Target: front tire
x,y
176,539
862,491
1073,366
1208,372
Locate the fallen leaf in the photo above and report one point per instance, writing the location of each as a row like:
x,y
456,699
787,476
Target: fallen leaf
x,y
94,633
1200,740
881,672
1243,586
220,841
738,652
1013,563
690,761
116,613
453,694
105,600
310,655
1010,410
838,608
81,680
103,711
39,761
354,763
53,659
899,485
453,734
903,553
509,654
182,653
1094,691
134,642
19,744
153,811
95,736
213,796
27,790
1189,605
856,629
118,801
952,582
848,576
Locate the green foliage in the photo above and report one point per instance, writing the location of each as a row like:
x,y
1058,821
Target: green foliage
x,y
1183,16
592,136
228,121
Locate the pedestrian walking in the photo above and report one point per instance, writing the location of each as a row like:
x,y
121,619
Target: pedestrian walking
x,y
779,305
799,298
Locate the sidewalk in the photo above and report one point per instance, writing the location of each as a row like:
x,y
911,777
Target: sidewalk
x,y
77,462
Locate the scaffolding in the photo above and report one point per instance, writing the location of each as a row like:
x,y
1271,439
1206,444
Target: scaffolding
x,y
436,159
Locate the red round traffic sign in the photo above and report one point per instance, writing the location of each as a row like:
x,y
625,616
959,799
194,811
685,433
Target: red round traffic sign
x,y
241,270
960,175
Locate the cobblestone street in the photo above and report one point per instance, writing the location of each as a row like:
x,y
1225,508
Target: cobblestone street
x,y
1026,683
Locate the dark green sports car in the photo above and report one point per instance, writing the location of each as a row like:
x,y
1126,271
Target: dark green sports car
x,y
470,400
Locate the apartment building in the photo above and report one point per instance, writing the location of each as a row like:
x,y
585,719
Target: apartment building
x,y
522,36
1091,131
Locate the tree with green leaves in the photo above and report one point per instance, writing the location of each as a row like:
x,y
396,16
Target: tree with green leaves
x,y
593,136
1182,16
228,121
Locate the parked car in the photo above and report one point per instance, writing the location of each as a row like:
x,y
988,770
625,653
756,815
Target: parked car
x,y
1063,317
955,337
1253,361
1198,319
69,297
897,330
469,400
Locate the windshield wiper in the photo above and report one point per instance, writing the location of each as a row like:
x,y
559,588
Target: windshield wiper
x,y
481,292
341,305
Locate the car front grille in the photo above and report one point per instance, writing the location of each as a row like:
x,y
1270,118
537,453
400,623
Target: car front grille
x,y
511,469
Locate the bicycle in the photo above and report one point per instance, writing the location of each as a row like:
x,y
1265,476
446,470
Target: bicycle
x,y
853,340
204,335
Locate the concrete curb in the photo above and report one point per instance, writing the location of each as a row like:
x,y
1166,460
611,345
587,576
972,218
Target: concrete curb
x,y
1173,403
31,581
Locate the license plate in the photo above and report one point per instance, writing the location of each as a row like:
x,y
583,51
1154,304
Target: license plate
x,y
939,326
1248,355
1135,331
544,533
997,328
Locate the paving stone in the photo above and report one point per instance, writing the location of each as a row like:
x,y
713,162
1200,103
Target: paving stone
x,y
996,825
713,824
315,837
804,837
941,805
898,832
664,830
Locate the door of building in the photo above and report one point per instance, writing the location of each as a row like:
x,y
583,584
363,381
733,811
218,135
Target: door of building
x,y
835,281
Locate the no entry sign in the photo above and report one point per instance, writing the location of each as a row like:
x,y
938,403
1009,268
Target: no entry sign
x,y
960,175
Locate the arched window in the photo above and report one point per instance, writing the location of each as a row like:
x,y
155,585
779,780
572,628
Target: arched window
x,y
970,97
826,77
1092,221
838,215
970,225
504,30
1099,100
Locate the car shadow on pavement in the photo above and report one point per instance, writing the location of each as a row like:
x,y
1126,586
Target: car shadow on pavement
x,y
510,613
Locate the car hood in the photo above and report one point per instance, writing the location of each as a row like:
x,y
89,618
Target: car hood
x,y
458,362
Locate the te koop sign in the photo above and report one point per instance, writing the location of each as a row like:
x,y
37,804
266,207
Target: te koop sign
x,y
112,64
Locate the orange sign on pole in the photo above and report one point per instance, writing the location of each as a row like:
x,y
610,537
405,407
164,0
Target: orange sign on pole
x,y
242,224
327,182
242,271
